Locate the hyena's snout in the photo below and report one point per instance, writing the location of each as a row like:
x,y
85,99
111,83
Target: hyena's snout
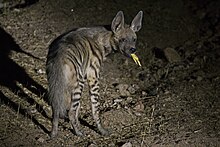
x,y
132,50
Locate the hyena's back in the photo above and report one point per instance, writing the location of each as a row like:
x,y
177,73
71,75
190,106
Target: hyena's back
x,y
68,61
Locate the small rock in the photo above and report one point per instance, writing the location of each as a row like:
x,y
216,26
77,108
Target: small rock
x,y
166,92
123,89
118,107
131,90
128,144
92,145
9,27
118,100
171,55
129,100
16,10
199,78
40,71
40,139
144,93
139,108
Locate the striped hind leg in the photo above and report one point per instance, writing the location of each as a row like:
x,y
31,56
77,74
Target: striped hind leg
x,y
74,108
94,94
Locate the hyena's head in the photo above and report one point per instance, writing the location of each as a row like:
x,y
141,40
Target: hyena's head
x,y
124,36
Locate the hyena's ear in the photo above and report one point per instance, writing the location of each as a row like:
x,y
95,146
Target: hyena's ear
x,y
118,22
137,22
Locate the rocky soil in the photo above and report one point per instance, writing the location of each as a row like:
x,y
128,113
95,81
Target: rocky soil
x,y
172,100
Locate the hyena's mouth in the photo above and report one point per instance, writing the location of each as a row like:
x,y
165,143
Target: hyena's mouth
x,y
131,54
135,58
128,52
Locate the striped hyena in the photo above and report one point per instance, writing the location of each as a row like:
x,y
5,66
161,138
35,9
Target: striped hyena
x,y
76,57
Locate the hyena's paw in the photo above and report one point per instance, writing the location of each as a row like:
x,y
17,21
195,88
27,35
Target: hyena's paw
x,y
53,135
79,133
104,132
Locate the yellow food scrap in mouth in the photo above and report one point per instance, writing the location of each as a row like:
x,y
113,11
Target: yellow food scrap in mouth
x,y
136,60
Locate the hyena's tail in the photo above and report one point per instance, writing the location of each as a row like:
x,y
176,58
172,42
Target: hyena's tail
x,y
56,91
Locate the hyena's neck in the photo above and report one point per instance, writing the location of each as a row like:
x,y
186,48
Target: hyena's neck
x,y
105,39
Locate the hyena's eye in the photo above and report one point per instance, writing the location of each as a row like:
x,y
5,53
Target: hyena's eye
x,y
134,39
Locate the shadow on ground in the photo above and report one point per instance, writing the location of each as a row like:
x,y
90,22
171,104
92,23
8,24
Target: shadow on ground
x,y
13,76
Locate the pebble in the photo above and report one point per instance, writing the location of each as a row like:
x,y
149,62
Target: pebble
x,y
92,145
123,89
118,100
139,108
40,71
129,100
144,93
131,90
40,139
199,78
171,55
128,144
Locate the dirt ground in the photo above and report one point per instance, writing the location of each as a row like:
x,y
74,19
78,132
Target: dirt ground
x,y
172,100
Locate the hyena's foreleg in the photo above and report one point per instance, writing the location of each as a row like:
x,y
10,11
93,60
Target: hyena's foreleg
x,y
93,83
75,106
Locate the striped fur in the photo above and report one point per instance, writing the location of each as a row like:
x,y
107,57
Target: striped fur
x,y
76,57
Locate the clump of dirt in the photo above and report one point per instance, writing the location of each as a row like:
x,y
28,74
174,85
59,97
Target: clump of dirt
x,y
173,99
